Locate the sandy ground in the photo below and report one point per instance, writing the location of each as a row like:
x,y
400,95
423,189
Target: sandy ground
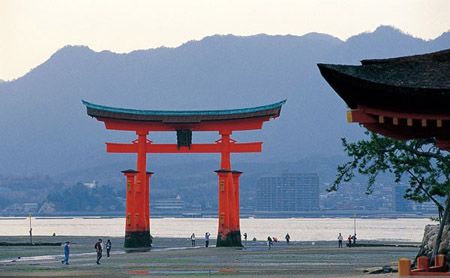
x,y
176,258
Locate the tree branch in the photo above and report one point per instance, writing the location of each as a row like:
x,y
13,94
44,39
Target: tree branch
x,y
426,154
420,186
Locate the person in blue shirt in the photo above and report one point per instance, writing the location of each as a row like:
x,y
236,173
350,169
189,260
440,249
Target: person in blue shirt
x,y
66,253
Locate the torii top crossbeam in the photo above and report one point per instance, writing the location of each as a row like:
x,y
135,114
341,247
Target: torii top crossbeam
x,y
223,121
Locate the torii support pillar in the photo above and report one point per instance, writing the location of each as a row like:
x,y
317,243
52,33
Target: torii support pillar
x,y
229,233
137,228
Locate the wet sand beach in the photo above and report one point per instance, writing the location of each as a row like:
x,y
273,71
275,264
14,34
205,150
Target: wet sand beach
x,y
174,257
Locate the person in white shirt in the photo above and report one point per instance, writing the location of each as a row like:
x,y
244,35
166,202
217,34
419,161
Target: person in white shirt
x,y
193,239
340,238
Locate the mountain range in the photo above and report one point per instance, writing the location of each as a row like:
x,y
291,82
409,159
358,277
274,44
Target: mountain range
x,y
45,128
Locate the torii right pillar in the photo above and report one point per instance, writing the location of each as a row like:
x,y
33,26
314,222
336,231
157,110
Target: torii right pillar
x,y
229,233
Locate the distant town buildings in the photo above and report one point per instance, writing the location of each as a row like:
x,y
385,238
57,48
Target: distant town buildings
x,y
408,206
352,196
30,207
285,195
92,184
385,198
288,192
402,204
169,205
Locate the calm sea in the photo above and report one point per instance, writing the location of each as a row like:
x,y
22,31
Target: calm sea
x,y
300,229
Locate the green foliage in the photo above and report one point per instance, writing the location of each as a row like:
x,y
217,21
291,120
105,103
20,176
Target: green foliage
x,y
80,198
25,189
425,165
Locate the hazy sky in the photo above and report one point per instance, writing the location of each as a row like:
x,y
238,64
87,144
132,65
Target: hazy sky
x,y
32,30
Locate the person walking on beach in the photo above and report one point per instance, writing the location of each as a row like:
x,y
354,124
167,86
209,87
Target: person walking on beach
x,y
108,247
193,239
99,249
207,239
245,238
269,242
66,253
349,240
287,237
340,238
354,239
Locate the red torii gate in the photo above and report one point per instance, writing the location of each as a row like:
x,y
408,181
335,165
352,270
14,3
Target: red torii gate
x,y
137,231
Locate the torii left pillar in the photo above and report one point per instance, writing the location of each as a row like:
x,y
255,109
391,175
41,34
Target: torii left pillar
x,y
229,232
137,231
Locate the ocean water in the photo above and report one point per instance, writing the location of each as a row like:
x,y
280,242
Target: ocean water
x,y
300,229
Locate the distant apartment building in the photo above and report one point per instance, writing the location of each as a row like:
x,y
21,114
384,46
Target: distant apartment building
x,y
30,207
288,192
402,204
407,206
175,204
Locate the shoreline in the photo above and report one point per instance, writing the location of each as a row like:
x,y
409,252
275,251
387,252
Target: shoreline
x,y
174,257
166,240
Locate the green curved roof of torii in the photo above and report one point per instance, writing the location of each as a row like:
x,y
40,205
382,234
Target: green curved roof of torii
x,y
171,116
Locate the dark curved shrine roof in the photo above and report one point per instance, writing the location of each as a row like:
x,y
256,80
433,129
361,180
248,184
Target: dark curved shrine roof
x,y
420,82
184,116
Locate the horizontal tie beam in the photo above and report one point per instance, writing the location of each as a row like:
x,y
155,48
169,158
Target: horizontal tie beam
x,y
195,148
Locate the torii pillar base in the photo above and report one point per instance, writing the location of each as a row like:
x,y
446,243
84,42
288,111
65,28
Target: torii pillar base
x,y
138,239
232,239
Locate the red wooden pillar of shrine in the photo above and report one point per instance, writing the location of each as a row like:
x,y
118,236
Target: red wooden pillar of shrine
x,y
139,234
228,233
